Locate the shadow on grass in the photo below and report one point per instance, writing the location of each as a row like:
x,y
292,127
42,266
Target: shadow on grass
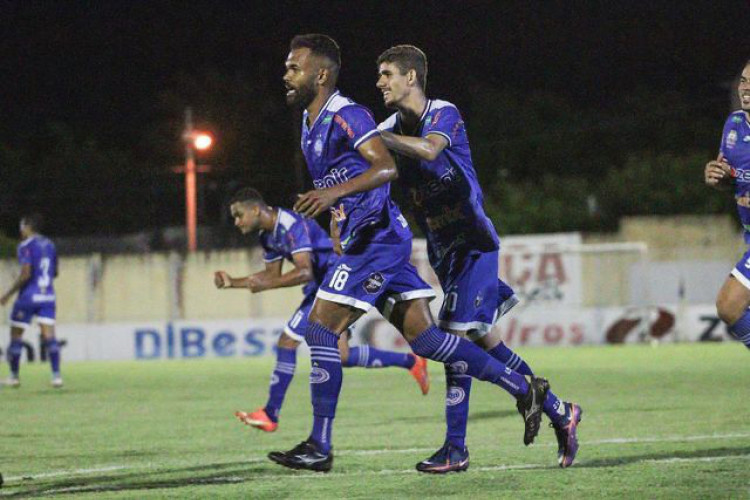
x,y
248,472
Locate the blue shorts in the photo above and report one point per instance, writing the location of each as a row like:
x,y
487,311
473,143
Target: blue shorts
x,y
297,325
380,275
742,270
472,291
24,312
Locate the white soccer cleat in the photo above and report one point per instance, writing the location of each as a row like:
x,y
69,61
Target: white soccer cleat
x,y
57,382
11,382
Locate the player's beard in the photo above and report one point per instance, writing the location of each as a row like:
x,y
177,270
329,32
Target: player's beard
x,y
302,97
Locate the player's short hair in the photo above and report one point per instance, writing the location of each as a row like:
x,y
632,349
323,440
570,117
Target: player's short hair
x,y
320,45
407,57
247,195
34,220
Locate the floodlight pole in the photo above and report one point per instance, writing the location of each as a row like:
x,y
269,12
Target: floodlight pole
x,y
191,220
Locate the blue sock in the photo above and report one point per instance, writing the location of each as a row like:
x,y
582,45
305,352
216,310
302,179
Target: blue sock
x,y
53,351
456,405
283,373
369,357
512,360
437,345
14,356
325,381
553,407
741,329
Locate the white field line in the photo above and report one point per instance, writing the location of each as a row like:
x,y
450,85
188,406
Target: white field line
x,y
392,472
666,439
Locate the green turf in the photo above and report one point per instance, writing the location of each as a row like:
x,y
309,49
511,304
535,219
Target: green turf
x,y
668,422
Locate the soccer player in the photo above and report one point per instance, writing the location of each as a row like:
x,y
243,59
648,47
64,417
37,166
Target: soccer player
x,y
732,169
285,235
36,297
351,169
440,183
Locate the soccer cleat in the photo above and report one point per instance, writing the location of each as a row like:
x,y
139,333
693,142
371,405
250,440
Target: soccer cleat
x,y
57,382
530,407
258,419
305,455
446,459
567,438
12,382
419,372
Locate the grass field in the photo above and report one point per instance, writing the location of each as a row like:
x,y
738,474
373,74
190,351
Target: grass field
x,y
670,422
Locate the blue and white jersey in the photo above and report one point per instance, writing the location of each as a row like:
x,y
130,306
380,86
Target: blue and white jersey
x,y
330,149
444,194
39,253
735,146
294,234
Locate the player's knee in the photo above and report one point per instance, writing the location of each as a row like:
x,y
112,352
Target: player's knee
x,y
727,311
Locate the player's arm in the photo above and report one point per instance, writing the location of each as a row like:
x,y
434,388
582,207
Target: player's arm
x,y
382,170
17,284
718,174
422,148
222,279
301,273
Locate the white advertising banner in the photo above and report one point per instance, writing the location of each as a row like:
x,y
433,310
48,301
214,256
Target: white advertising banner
x,y
552,326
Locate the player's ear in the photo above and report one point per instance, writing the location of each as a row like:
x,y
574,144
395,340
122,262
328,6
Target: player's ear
x,y
411,77
323,75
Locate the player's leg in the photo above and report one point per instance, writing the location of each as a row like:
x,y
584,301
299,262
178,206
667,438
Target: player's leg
x,y
267,417
15,349
53,350
734,299
327,321
20,319
412,317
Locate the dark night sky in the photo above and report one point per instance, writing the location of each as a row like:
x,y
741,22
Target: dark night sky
x,y
99,66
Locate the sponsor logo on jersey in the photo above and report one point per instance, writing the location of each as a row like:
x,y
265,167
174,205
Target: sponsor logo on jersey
x,y
373,283
448,217
333,177
327,120
433,188
344,126
737,119
319,375
454,396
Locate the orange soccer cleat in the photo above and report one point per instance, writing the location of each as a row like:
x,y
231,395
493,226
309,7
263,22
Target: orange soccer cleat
x,y
258,419
419,372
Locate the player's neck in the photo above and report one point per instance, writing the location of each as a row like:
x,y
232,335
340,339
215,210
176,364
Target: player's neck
x,y
411,109
313,110
268,218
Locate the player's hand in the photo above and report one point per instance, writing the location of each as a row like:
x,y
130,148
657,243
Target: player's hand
x,y
313,203
222,280
4,300
336,236
717,172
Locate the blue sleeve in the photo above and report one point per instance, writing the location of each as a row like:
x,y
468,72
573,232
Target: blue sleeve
x,y
357,124
447,122
298,237
728,126
24,255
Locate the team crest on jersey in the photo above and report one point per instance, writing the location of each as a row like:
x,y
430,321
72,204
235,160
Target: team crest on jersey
x,y
731,138
318,147
373,283
737,119
428,122
454,396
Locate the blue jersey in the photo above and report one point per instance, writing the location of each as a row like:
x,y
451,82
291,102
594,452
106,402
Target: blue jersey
x,y
39,253
330,149
294,234
735,146
444,194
